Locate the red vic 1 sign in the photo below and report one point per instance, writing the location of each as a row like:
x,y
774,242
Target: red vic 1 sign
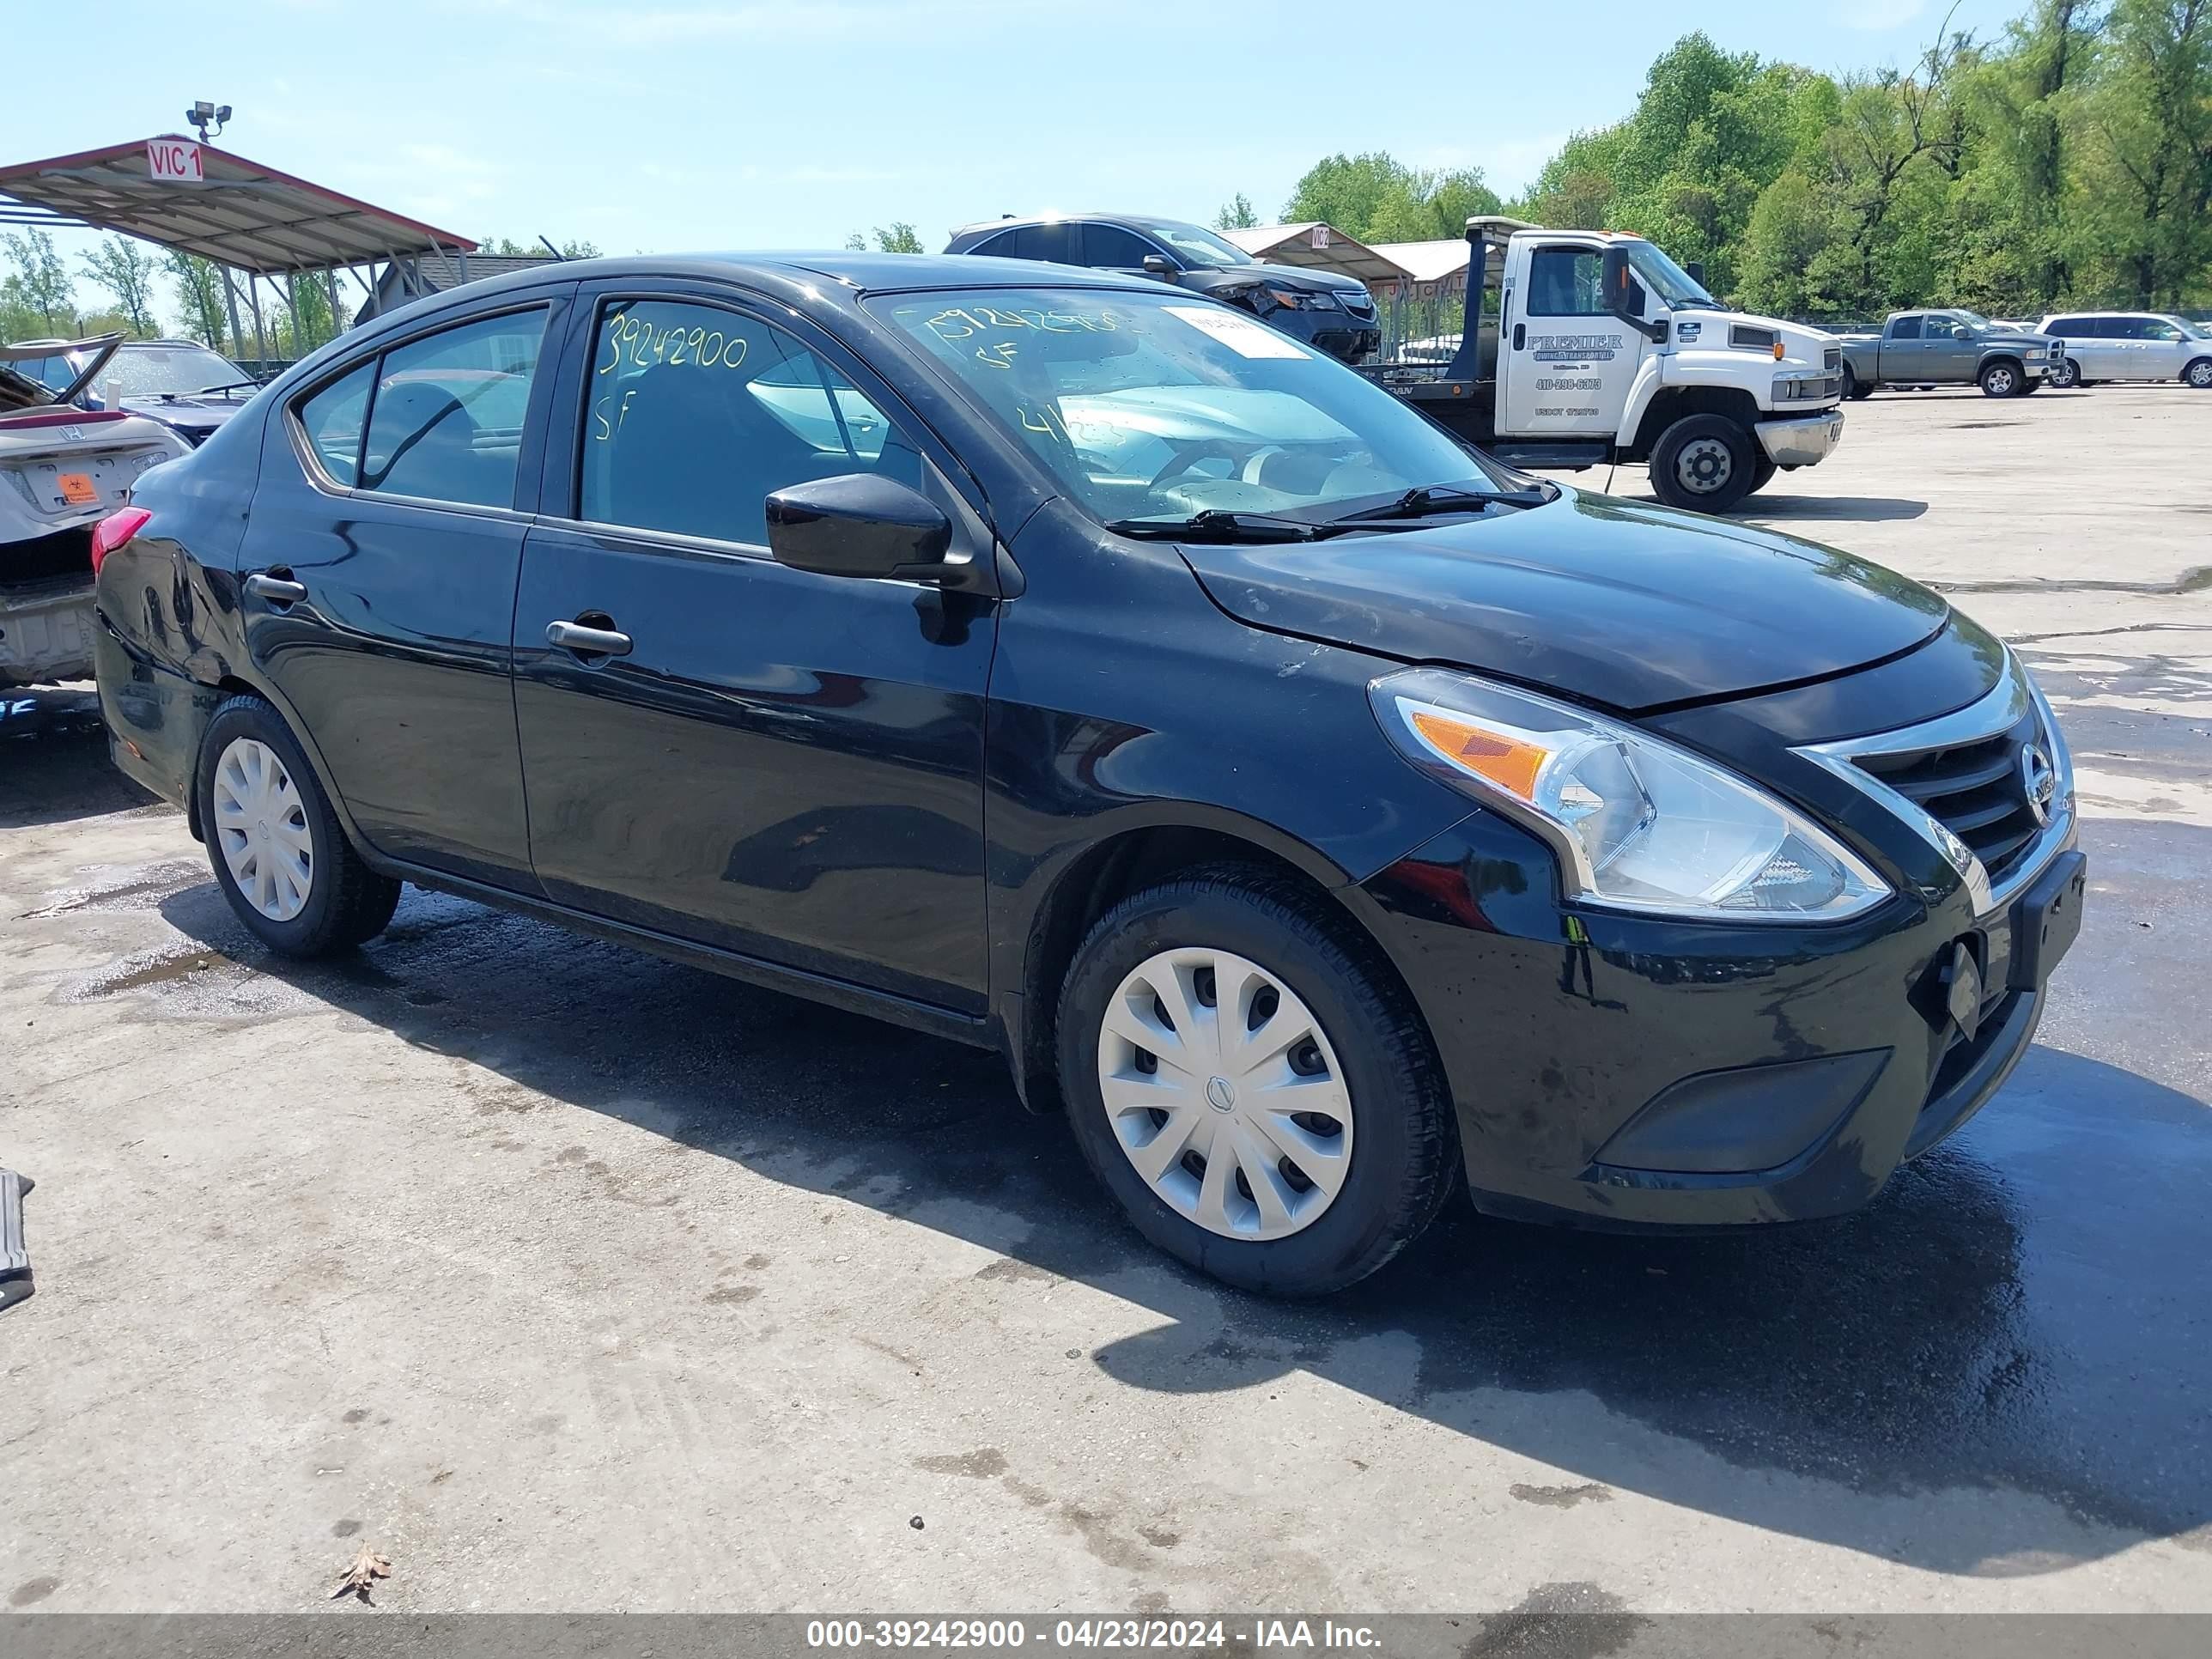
x,y
173,159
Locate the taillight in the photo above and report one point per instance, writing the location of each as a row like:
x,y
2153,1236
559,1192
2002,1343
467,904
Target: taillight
x,y
41,415
113,531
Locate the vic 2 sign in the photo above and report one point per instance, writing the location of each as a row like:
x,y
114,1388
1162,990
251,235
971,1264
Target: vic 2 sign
x,y
175,160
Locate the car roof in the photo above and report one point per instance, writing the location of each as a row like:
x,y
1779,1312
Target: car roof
x,y
853,272
1014,222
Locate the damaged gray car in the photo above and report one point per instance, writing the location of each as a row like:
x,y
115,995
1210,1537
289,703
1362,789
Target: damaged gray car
x,y
62,470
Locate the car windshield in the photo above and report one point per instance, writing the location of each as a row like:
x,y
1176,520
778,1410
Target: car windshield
x,y
1161,407
1666,279
2190,331
148,370
1201,247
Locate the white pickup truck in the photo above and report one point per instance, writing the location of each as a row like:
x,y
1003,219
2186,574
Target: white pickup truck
x,y
1589,347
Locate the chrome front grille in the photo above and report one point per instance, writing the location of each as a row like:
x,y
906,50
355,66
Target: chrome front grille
x,y
1977,789
1990,785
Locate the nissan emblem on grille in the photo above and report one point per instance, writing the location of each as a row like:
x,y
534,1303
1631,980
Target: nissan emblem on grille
x,y
2039,778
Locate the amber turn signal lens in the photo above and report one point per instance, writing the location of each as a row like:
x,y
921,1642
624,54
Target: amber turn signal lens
x,y
1510,764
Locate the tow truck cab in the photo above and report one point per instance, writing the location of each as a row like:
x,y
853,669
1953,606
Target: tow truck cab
x,y
1589,347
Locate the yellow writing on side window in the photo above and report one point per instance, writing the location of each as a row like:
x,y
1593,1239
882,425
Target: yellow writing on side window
x,y
628,339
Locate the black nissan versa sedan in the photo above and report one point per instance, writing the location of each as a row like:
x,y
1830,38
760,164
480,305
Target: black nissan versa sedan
x,y
1319,813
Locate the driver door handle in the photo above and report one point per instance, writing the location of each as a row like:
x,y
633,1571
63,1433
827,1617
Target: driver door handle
x,y
277,589
587,642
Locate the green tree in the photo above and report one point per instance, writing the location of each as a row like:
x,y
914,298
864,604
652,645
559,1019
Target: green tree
x,y
199,295
2148,159
1237,215
1378,199
897,237
506,247
125,267
39,281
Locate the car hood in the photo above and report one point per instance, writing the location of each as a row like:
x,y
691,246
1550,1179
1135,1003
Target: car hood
x,y
1211,278
186,411
1606,601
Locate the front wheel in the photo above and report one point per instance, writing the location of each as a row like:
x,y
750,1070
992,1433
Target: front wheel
x,y
2199,374
278,852
1762,473
1251,1084
2001,380
2030,384
2065,375
1704,463
1857,390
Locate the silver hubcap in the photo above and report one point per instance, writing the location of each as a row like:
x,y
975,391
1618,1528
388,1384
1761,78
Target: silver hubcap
x,y
2200,375
2001,379
261,827
2064,374
1225,1094
1704,466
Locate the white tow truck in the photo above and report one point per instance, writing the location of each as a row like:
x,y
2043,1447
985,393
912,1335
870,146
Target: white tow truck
x,y
1589,348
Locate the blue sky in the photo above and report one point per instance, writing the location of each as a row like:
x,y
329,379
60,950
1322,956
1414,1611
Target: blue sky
x,y
696,123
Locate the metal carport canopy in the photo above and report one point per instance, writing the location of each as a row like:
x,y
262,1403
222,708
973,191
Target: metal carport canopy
x,y
239,214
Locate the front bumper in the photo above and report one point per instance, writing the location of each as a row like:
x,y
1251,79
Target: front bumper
x,y
46,630
1802,440
1628,1071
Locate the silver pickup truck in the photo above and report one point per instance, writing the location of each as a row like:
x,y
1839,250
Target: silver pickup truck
x,y
1947,348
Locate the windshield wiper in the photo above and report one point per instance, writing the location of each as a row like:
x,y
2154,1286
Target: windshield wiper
x,y
1425,499
228,386
1218,524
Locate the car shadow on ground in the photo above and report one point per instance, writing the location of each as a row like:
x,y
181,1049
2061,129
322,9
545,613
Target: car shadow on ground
x,y
1964,1334
53,759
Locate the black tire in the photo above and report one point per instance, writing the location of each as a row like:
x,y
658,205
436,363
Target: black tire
x,y
1404,1162
1704,463
1762,473
348,903
2065,375
2198,374
2001,378
1857,390
2031,385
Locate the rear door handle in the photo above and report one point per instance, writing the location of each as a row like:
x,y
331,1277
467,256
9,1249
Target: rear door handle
x,y
278,589
587,642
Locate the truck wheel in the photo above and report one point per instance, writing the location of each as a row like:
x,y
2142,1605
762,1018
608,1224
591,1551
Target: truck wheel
x,y
2001,379
1704,463
1762,473
1248,1080
1857,390
2199,374
2065,375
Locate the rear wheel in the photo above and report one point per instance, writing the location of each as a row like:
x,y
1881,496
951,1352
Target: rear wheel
x,y
2199,374
1251,1084
279,852
1704,463
1854,388
2001,379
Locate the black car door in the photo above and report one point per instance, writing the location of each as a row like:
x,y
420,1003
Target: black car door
x,y
761,759
379,569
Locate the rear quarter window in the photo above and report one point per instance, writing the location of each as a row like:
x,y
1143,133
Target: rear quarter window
x,y
331,421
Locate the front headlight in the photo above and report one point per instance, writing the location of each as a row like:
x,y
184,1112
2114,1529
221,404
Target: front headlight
x,y
1296,299
1639,823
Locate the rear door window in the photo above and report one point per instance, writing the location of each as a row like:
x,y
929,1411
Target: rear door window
x,y
333,421
446,423
694,414
1055,242
1109,247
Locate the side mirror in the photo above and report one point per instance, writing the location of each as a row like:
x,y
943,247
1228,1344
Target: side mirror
x,y
1961,331
1695,271
1159,264
859,524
